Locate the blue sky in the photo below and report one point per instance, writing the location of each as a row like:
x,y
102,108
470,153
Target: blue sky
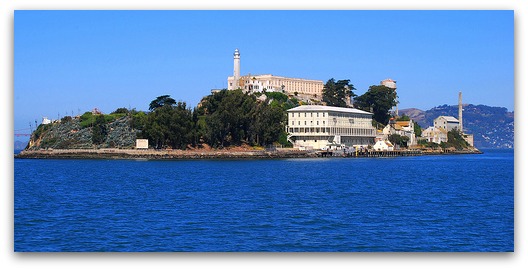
x,y
73,61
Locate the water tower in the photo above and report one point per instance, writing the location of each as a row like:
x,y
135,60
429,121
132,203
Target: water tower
x,y
390,83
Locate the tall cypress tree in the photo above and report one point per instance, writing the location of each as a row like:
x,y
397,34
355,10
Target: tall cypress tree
x,y
380,99
337,93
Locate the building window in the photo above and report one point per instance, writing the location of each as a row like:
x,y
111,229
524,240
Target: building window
x,y
317,122
323,114
317,114
293,123
323,123
305,123
299,123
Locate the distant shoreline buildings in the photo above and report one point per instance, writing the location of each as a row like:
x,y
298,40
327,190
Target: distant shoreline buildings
x,y
443,124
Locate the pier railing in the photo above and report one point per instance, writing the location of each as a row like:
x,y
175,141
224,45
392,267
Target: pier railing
x,y
370,153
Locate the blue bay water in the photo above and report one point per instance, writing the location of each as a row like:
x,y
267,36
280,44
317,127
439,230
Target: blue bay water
x,y
426,203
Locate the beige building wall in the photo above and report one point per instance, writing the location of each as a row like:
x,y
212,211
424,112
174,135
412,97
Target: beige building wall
x,y
469,139
436,135
446,122
270,83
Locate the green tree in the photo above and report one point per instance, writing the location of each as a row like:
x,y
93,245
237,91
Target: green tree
x,y
417,129
99,131
228,115
378,99
267,125
233,117
138,121
397,139
283,139
403,117
120,111
337,93
170,125
455,139
161,101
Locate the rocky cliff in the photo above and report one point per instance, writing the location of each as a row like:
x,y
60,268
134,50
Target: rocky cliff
x,y
70,134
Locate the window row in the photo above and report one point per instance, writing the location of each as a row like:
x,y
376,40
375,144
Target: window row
x,y
306,123
311,114
335,131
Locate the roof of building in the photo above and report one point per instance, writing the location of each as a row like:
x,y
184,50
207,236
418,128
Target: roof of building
x,y
320,108
449,118
401,124
434,130
387,143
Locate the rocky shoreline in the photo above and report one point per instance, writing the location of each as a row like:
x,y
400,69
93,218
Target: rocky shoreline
x,y
115,153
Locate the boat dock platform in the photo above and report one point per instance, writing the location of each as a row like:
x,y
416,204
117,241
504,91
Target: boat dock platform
x,y
370,153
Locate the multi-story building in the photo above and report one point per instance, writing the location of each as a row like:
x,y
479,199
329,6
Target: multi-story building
x,y
442,125
271,83
447,123
315,126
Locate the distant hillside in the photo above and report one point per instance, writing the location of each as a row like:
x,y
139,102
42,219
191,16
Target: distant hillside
x,y
492,127
20,145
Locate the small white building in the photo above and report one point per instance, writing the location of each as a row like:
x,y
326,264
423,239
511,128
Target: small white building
x,y
316,127
141,143
383,145
402,128
45,120
435,135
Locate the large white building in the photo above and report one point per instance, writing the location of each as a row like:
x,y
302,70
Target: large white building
x,y
315,126
271,83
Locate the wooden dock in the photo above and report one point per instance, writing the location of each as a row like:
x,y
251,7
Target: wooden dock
x,y
370,153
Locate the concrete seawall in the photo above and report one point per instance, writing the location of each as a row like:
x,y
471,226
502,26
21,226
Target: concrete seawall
x,y
114,153
109,153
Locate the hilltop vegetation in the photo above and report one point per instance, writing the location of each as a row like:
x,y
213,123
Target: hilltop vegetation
x,y
225,118
79,132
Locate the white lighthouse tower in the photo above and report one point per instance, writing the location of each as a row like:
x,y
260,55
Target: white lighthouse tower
x,y
236,69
